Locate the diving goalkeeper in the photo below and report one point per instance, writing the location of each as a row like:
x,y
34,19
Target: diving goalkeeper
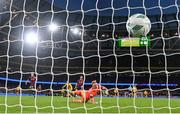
x,y
86,95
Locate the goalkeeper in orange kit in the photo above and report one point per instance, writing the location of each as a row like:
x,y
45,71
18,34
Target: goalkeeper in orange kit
x,y
86,95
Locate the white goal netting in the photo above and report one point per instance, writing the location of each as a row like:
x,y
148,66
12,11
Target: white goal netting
x,y
78,42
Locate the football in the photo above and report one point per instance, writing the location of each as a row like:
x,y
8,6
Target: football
x,y
138,25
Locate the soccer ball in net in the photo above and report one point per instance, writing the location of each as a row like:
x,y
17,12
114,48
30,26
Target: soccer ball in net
x,y
138,25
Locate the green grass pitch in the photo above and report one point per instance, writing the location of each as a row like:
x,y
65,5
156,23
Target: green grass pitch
x,y
48,104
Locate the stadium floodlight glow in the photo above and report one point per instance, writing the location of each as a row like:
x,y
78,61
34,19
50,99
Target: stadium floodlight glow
x,y
53,27
76,31
31,37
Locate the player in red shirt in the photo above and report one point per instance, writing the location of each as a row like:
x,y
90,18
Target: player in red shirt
x,y
80,83
32,81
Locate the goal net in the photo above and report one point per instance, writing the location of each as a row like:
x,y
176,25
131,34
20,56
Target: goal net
x,y
52,49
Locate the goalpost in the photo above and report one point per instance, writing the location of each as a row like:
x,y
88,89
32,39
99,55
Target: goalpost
x,y
69,38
